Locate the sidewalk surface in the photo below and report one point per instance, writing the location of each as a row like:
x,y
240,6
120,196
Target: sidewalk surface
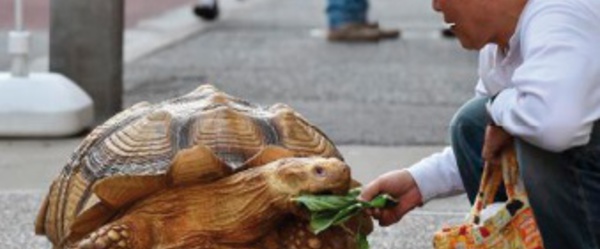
x,y
385,104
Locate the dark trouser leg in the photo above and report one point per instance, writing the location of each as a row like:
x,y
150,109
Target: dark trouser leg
x,y
341,12
467,132
563,188
564,191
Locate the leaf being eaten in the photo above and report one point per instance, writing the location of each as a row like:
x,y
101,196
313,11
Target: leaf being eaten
x,y
331,210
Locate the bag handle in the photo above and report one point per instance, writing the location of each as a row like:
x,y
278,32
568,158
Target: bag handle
x,y
492,176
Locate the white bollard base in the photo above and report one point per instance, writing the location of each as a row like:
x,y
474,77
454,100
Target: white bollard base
x,y
42,105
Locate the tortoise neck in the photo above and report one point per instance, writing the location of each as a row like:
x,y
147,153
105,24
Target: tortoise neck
x,y
236,209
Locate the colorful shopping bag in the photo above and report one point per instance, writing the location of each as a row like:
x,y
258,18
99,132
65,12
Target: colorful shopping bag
x,y
513,226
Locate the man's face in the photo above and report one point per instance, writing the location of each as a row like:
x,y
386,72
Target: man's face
x,y
470,21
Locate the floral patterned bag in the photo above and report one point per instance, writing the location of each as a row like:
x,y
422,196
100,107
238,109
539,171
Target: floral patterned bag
x,y
513,226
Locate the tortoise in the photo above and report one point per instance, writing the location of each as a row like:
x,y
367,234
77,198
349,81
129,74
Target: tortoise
x,y
203,170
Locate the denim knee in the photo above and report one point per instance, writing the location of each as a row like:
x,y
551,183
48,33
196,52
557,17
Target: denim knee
x,y
467,130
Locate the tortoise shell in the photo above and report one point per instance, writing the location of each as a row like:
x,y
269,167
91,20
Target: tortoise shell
x,y
195,138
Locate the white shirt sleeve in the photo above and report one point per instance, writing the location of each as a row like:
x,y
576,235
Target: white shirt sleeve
x,y
437,175
480,90
555,94
487,62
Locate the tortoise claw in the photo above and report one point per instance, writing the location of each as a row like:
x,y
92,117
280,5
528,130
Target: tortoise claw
x,y
113,236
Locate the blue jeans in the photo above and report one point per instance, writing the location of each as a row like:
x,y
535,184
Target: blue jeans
x,y
341,12
563,188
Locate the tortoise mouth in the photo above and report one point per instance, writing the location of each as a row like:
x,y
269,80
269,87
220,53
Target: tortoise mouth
x,y
323,203
326,192
341,190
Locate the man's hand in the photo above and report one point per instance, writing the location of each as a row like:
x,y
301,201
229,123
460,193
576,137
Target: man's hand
x,y
400,185
496,139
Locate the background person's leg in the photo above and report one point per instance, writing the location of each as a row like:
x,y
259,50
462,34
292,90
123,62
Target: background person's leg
x,y
348,21
564,192
342,12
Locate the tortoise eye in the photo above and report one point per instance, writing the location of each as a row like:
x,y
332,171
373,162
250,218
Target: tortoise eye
x,y
319,171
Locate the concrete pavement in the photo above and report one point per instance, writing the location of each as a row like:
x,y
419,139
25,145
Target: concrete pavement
x,y
386,104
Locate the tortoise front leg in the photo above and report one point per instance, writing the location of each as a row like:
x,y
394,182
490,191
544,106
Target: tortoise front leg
x,y
116,235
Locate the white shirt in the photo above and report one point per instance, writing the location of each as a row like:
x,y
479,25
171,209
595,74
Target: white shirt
x,y
548,86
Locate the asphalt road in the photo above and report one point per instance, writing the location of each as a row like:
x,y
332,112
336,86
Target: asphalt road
x,y
401,92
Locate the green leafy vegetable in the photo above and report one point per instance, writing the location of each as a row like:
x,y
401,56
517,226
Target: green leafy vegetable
x,y
322,220
332,210
362,241
382,201
319,203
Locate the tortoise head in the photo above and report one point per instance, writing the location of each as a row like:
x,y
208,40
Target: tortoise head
x,y
292,177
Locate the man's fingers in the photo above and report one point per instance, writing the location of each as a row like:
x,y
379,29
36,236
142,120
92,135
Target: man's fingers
x,y
485,154
490,152
491,155
392,215
375,212
370,191
496,139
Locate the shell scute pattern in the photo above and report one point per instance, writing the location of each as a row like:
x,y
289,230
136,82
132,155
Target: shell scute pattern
x,y
104,130
142,147
299,135
145,139
234,137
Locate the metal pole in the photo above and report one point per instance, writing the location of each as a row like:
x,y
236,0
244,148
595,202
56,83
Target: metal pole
x,y
86,45
18,15
19,44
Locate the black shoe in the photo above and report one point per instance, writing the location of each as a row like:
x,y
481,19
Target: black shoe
x,y
207,13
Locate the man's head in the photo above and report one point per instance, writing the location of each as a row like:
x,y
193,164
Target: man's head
x,y
479,22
